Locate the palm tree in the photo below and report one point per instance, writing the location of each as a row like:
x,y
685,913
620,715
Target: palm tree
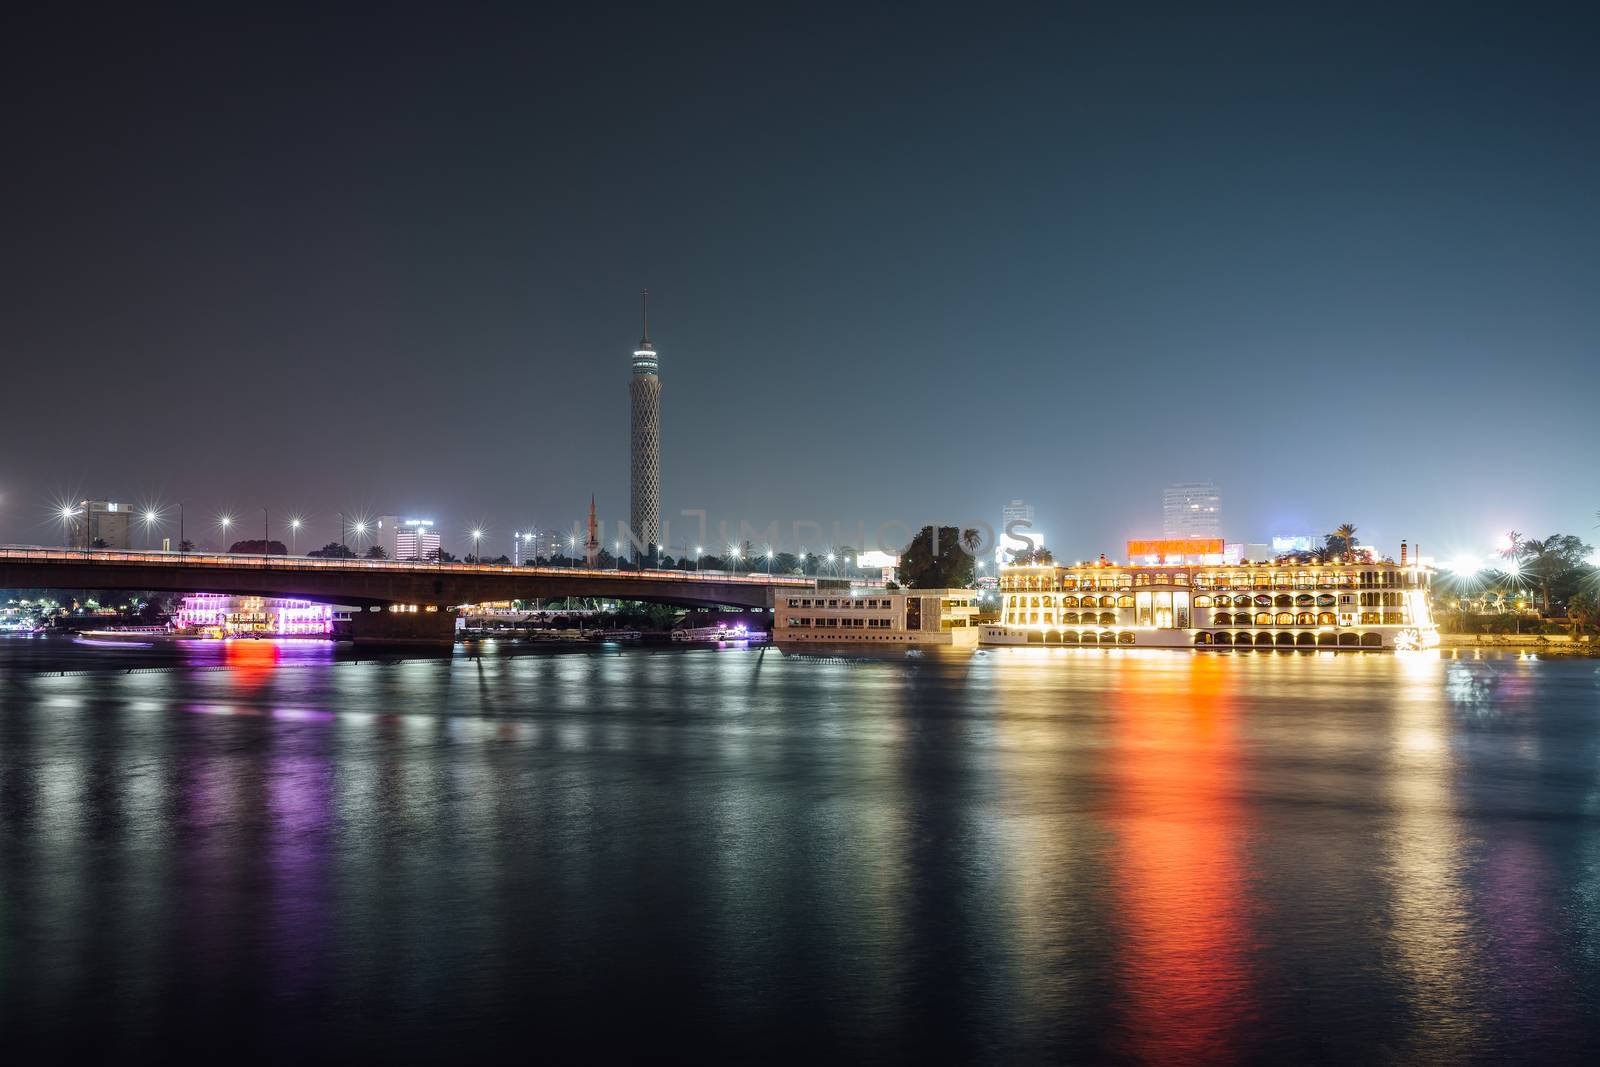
x,y
1342,541
970,540
1513,545
1538,557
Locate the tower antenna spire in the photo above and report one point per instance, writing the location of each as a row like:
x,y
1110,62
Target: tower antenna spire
x,y
644,314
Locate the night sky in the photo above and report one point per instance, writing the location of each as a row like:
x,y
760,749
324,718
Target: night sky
x,y
903,267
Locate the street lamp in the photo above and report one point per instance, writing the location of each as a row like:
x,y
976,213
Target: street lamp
x,y
68,513
294,537
769,561
733,551
572,551
150,517
616,555
477,556
225,522
697,559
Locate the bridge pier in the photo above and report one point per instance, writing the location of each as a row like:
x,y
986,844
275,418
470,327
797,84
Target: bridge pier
x,y
403,626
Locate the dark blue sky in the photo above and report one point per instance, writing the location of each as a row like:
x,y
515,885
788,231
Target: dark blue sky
x,y
905,267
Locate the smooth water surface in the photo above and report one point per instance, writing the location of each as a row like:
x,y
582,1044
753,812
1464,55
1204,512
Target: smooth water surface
x,y
1026,854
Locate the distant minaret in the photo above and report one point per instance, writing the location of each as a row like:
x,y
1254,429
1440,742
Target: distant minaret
x,y
592,545
645,388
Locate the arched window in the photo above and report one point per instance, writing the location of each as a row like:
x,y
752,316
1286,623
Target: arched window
x,y
1202,601
1161,579
1222,618
1283,600
1327,618
1069,601
1263,618
1141,579
1285,618
1305,618
1263,600
1123,601
1108,618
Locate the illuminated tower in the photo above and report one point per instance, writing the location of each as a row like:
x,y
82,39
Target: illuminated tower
x,y
645,388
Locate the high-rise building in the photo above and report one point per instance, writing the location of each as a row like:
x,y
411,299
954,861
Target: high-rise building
x,y
406,539
99,524
644,388
1017,531
1193,509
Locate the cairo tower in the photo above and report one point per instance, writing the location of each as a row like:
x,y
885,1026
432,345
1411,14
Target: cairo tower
x,y
644,387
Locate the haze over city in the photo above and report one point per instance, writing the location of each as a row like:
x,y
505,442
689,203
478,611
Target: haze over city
x,y
1342,268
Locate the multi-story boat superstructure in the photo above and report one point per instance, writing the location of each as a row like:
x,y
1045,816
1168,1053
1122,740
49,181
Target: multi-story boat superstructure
x,y
1360,605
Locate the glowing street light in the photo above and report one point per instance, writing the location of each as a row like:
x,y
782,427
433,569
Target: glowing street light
x,y
294,537
769,561
572,550
697,559
477,536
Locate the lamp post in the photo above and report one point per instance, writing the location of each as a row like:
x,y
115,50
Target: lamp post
x,y
477,555
360,528
572,551
341,532
67,513
181,539
616,555
697,559
769,561
266,533
733,552
225,522
294,537
151,517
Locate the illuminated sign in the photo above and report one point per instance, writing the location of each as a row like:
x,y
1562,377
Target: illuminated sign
x,y
1177,546
873,558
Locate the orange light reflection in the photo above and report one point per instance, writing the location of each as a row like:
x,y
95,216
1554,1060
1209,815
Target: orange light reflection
x,y
1175,774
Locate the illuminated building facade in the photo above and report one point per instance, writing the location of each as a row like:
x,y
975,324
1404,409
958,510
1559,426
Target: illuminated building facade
x,y
1374,605
99,520
1192,509
408,539
228,615
872,616
644,389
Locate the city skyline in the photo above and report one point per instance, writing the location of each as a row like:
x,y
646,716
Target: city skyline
x,y
282,354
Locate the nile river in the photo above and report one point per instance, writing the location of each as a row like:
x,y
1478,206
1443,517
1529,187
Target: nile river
x,y
1030,854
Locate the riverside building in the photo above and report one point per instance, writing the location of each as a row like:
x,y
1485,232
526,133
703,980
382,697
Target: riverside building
x,y
906,617
1377,605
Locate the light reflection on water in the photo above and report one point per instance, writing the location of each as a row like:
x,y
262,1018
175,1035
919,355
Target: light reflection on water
x,y
1074,854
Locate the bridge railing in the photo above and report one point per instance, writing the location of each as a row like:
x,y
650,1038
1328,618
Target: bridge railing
x,y
203,560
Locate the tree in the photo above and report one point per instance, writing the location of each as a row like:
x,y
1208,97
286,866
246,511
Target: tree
x,y
377,552
332,550
253,548
1038,556
1342,541
1583,611
1555,565
936,560
186,546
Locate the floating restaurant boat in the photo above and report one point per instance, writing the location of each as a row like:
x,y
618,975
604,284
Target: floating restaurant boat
x,y
1371,605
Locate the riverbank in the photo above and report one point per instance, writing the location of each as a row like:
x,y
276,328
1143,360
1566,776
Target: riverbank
x,y
1544,644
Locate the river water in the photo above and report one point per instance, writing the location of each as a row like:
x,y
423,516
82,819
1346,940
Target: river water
x,y
265,851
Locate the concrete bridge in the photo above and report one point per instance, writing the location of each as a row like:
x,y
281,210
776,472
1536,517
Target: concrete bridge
x,y
418,595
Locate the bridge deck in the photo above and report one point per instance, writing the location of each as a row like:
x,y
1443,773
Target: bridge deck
x,y
363,581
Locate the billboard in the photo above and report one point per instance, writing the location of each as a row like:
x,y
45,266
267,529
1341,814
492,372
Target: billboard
x,y
1176,547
